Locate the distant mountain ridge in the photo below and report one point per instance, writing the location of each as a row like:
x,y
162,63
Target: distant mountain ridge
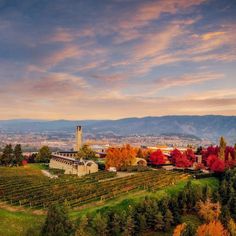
x,y
209,127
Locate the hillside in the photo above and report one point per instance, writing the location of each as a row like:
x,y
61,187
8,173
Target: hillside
x,y
206,127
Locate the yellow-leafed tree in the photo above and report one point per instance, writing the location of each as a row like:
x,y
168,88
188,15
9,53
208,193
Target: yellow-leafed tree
x,y
208,210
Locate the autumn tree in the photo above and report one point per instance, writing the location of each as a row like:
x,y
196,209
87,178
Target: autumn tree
x,y
157,157
175,154
214,228
120,156
208,210
215,164
232,227
222,149
180,159
189,153
179,229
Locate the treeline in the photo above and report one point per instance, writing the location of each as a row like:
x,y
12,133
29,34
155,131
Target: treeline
x,y
227,196
11,156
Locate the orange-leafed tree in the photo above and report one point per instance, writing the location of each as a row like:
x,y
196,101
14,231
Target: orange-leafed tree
x,y
120,156
208,210
214,228
179,229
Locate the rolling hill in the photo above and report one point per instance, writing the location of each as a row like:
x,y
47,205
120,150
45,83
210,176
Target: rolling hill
x,y
209,127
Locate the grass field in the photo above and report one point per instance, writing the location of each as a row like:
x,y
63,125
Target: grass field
x,y
19,223
16,221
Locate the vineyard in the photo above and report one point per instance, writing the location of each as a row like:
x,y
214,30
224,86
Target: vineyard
x,y
31,189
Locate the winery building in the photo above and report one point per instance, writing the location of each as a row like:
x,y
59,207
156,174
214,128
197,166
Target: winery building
x,y
67,160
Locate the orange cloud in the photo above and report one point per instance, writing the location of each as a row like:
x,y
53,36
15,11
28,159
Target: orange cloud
x,y
187,79
149,11
157,42
211,35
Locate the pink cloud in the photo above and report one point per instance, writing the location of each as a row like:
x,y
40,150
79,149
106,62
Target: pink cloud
x,y
69,51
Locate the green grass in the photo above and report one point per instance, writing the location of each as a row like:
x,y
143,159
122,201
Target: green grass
x,y
18,223
38,166
124,201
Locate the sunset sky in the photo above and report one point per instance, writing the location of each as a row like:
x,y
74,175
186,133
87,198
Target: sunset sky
x,y
108,59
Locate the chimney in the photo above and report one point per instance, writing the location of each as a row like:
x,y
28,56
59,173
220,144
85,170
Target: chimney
x,y
78,137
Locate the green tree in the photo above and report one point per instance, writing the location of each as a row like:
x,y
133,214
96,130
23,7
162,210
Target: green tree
x,y
115,224
100,225
82,227
18,156
7,155
168,220
189,230
44,154
225,215
206,193
86,153
182,201
174,207
57,222
232,205
159,223
142,222
129,227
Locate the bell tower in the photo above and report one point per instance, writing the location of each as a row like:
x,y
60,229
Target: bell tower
x,y
79,137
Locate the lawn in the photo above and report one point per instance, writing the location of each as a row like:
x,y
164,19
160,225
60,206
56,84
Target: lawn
x,y
19,223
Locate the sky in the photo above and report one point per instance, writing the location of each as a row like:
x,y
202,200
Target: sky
x,y
109,59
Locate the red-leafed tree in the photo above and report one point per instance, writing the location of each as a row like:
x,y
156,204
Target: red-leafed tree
x,y
211,159
157,157
183,161
175,154
211,150
180,159
215,164
218,166
190,155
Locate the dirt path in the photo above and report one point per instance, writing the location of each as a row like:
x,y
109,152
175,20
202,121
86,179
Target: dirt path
x,y
119,175
48,174
10,208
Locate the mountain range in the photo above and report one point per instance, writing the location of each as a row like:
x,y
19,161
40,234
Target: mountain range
x,y
209,127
